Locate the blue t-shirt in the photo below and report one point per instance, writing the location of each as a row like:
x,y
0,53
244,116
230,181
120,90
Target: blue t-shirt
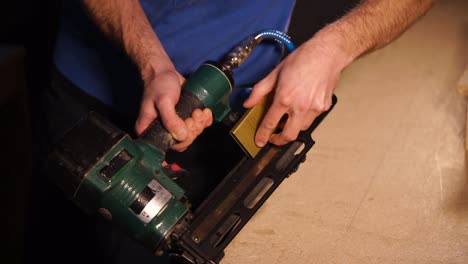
x,y
191,31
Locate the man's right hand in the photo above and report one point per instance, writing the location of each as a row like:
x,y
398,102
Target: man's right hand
x,y
125,23
160,96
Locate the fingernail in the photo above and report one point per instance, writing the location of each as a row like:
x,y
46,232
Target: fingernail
x,y
260,143
181,134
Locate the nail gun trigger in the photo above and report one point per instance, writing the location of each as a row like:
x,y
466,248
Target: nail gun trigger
x,y
174,171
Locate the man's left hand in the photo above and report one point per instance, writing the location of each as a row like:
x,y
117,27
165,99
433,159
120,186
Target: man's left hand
x,y
303,85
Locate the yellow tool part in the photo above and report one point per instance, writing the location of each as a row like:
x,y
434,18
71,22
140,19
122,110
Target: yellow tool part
x,y
245,129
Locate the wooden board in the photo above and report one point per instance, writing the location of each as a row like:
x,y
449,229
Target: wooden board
x,y
462,85
466,131
386,180
462,88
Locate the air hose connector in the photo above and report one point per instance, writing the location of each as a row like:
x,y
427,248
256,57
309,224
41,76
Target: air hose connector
x,y
241,52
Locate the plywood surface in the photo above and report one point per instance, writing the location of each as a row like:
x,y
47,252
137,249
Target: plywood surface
x,y
462,84
386,181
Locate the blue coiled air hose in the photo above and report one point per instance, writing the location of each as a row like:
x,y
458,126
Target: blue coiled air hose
x,y
276,35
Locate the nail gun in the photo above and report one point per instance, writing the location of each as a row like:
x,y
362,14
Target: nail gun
x,y
105,171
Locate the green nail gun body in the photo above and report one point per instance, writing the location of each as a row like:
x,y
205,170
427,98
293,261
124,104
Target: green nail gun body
x,y
104,170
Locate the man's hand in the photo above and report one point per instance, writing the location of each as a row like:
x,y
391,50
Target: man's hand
x,y
161,94
303,83
303,86
125,23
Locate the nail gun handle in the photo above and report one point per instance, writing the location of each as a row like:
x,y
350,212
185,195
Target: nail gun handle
x,y
157,135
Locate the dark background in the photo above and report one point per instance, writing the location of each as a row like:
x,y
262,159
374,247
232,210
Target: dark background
x,y
27,31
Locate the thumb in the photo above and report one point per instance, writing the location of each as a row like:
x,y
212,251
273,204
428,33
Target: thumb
x,y
171,120
146,116
261,89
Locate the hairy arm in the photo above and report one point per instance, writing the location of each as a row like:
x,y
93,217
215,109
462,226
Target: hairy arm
x,y
125,23
373,24
303,83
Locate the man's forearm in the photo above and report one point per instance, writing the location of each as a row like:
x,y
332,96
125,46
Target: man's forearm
x,y
125,22
372,25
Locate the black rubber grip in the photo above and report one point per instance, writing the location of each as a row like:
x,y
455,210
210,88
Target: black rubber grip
x,y
157,135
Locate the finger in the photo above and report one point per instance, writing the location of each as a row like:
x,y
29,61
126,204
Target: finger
x,y
208,117
171,121
198,127
308,119
190,125
197,115
290,131
202,119
191,135
269,124
146,116
195,125
322,105
261,89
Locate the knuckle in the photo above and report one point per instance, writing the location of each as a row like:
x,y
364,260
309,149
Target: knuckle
x,y
269,125
302,107
171,123
322,107
285,101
